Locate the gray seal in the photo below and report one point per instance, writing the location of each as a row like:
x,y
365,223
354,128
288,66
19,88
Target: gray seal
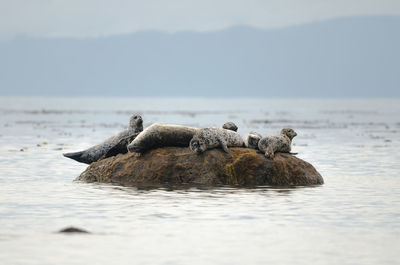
x,y
269,145
159,135
121,147
251,140
212,137
114,143
230,126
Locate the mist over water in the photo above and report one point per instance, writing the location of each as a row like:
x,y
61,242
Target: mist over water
x,y
354,218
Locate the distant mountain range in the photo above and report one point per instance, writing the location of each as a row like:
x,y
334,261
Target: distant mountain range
x,y
347,57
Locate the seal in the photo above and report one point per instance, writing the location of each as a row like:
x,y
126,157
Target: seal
x,y
269,145
251,140
230,126
72,229
115,143
121,147
212,137
159,135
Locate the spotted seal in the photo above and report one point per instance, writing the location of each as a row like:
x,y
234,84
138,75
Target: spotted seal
x,y
114,143
230,126
159,135
269,145
212,137
251,140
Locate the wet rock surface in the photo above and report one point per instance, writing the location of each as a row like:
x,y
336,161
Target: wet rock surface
x,y
178,165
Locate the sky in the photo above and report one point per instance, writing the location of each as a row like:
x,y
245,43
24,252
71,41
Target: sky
x,y
96,18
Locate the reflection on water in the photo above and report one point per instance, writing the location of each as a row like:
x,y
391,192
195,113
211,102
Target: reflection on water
x,y
353,219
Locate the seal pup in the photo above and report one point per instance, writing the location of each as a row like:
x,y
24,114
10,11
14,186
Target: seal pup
x,y
212,137
96,152
230,126
251,140
159,135
269,145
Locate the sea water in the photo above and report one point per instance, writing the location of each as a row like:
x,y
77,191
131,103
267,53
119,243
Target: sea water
x,y
354,218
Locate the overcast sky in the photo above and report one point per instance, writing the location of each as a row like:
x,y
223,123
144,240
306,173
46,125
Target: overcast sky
x,y
91,18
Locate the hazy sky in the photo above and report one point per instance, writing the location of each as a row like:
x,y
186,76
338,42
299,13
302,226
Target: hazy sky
x,y
88,18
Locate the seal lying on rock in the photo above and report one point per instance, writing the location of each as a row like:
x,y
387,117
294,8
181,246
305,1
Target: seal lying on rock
x,y
159,135
96,152
251,140
212,137
121,147
230,126
269,145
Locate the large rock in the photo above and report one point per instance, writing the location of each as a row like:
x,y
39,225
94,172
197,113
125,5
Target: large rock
x,y
178,165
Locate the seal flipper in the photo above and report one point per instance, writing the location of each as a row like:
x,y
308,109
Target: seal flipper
x,y
269,153
223,145
77,156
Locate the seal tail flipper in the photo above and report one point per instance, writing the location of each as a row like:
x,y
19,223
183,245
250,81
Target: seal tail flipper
x,y
269,153
77,156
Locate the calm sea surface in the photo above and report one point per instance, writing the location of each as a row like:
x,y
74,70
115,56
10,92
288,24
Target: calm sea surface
x,y
354,218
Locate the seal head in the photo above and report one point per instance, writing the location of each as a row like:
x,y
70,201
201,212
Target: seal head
x,y
230,126
197,145
135,123
289,132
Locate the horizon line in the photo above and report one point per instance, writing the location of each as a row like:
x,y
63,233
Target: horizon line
x,y
171,33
